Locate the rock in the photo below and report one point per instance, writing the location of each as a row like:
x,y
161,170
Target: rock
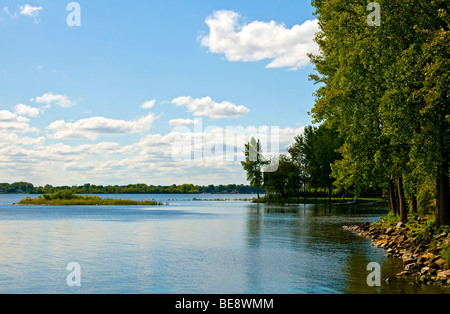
x,y
365,226
442,235
444,274
426,257
389,231
408,259
380,243
400,225
411,267
419,249
403,273
422,279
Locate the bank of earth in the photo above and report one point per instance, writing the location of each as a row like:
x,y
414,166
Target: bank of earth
x,y
425,252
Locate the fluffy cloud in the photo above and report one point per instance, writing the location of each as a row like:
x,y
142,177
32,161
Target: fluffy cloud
x,y
49,99
207,107
148,104
14,139
205,155
182,122
13,123
260,40
91,128
25,110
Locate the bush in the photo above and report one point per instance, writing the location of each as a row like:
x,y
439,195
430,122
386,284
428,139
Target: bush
x,y
426,199
425,232
390,220
445,252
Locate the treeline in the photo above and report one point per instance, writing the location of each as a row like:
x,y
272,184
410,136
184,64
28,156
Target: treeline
x,y
306,171
24,187
384,89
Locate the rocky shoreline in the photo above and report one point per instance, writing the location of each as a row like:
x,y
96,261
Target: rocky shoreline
x,y
422,260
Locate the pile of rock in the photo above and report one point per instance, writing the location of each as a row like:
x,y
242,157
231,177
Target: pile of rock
x,y
420,261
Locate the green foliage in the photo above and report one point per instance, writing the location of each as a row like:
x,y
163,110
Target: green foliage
x,y
425,232
445,252
23,187
385,89
254,163
17,187
314,152
67,198
392,219
59,195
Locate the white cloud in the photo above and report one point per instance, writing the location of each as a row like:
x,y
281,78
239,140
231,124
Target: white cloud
x,y
260,40
207,107
91,128
77,167
148,104
54,99
25,110
12,123
14,139
182,122
29,10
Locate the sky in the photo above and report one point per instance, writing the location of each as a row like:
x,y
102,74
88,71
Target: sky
x,y
154,92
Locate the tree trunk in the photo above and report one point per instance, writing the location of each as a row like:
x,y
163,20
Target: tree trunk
x,y
443,197
392,198
331,192
402,201
414,197
414,204
315,192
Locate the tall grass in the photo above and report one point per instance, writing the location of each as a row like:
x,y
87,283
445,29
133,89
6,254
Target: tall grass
x,y
68,198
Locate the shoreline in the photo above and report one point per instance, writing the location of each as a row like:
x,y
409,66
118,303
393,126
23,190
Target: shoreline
x,y
422,260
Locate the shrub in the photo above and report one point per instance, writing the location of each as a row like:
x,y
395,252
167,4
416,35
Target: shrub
x,y
425,232
445,252
390,220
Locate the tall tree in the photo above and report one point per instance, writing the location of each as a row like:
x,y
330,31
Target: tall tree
x,y
315,151
253,164
386,90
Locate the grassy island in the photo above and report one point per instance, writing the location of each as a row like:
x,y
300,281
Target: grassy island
x,y
68,198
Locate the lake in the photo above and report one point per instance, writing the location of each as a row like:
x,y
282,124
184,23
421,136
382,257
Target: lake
x,y
192,246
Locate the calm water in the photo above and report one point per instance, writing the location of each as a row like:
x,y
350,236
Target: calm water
x,y
191,247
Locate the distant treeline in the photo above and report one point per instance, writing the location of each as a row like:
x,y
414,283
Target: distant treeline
x,y
25,187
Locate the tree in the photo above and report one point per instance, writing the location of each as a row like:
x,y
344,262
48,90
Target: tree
x,y
386,91
285,180
314,152
254,161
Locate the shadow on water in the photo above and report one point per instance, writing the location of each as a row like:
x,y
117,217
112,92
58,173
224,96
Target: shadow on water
x,y
326,258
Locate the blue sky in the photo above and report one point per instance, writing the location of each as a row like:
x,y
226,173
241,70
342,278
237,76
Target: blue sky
x,y
72,98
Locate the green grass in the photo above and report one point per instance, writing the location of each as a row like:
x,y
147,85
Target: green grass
x,y
68,198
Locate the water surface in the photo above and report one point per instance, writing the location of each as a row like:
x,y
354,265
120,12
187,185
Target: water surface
x,y
191,246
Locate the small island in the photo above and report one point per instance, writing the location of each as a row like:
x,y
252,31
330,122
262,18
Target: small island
x,y
69,198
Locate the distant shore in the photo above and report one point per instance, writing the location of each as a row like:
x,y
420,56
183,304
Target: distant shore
x,y
320,200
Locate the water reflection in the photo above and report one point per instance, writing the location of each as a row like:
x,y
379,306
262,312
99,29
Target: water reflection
x,y
192,247
323,257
